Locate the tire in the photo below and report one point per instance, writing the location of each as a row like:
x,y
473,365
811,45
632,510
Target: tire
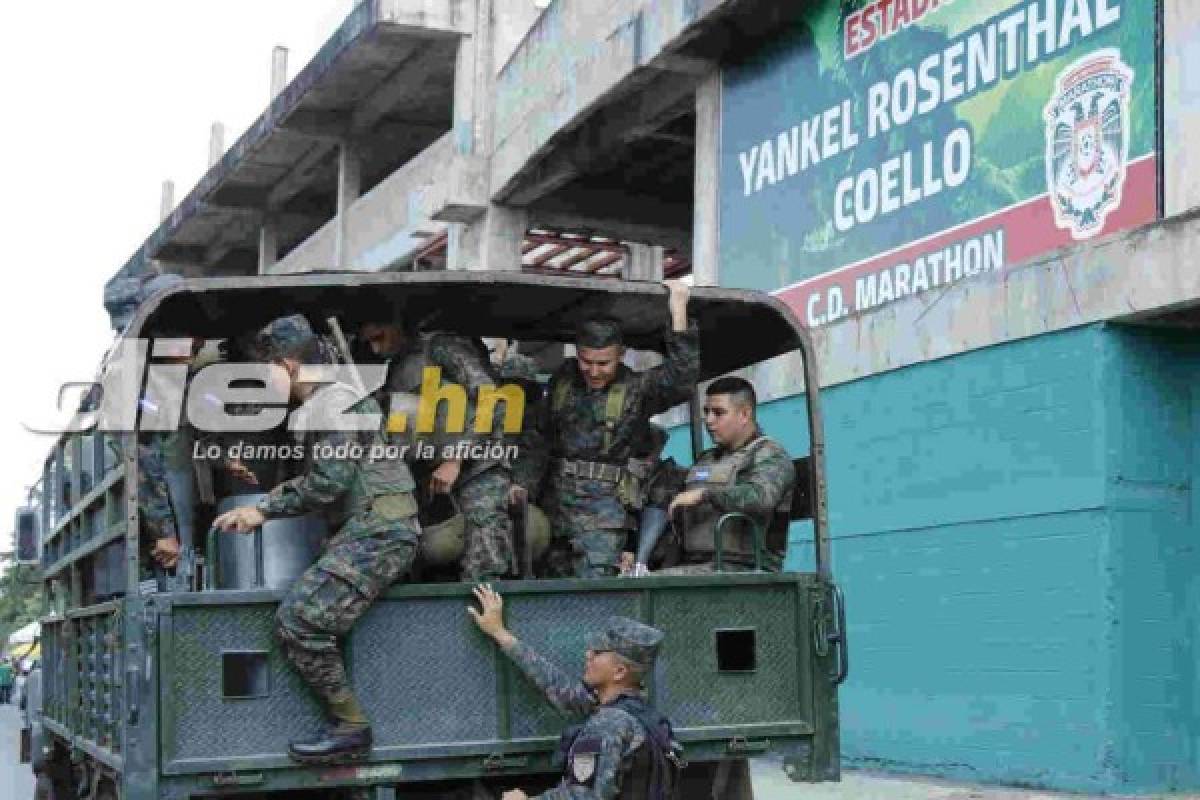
x,y
721,780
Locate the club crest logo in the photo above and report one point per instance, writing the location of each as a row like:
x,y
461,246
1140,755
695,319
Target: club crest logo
x,y
1087,141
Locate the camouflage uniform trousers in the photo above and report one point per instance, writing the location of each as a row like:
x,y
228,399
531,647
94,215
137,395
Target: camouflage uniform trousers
x,y
333,593
483,501
589,531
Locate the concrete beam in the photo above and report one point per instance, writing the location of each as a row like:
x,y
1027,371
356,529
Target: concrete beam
x,y
595,143
428,18
241,232
184,254
617,214
579,57
300,176
385,227
705,196
328,125
406,80
461,195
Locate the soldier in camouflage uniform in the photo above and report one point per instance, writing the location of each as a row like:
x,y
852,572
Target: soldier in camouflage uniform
x,y
592,422
479,487
515,367
746,472
624,748
373,501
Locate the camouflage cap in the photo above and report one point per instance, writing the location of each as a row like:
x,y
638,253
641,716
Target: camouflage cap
x,y
124,293
628,638
285,337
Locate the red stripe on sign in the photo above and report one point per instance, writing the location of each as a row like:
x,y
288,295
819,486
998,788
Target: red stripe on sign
x,y
1029,231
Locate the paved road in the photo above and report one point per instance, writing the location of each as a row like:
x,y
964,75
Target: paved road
x,y
771,784
16,780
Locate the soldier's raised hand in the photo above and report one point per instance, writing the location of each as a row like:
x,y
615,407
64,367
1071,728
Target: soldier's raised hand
x,y
677,301
491,618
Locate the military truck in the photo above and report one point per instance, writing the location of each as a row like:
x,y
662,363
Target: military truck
x,y
158,690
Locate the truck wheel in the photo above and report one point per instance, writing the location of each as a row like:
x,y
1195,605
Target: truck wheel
x,y
56,778
721,780
107,790
732,781
48,787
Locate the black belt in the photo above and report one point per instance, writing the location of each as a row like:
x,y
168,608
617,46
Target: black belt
x,y
590,470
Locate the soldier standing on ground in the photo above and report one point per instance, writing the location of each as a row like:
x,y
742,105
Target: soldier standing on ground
x,y
479,487
625,747
593,420
375,545
746,472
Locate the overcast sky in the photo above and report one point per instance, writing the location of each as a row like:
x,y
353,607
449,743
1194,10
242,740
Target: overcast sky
x,y
103,102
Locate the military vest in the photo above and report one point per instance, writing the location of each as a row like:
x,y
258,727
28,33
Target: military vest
x,y
406,374
701,522
382,484
657,762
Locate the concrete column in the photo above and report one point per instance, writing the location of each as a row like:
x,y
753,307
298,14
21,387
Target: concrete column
x,y
467,80
216,143
167,202
493,242
268,244
349,187
705,222
645,263
279,59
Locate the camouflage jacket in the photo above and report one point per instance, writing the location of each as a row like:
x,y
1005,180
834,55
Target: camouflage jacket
x,y
346,474
577,430
463,362
521,369
608,739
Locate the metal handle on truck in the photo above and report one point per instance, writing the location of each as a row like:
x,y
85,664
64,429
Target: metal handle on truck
x,y
823,637
718,559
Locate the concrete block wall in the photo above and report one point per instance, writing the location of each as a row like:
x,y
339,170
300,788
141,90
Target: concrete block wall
x,y
1014,529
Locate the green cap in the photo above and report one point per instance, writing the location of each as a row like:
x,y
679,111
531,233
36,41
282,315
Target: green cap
x,y
628,638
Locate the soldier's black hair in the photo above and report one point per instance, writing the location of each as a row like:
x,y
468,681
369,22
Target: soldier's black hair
x,y
740,389
597,333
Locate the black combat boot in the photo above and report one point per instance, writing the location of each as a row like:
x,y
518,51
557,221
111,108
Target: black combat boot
x,y
335,743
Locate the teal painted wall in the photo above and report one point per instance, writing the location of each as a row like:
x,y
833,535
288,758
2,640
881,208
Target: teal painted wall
x,y
1015,532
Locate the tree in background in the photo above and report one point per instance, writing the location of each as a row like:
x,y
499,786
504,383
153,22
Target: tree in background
x,y
20,598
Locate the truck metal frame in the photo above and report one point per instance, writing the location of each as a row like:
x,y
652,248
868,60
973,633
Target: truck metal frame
x,y
151,694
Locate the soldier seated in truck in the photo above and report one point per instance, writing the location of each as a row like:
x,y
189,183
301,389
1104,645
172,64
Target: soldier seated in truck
x,y
738,487
479,487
